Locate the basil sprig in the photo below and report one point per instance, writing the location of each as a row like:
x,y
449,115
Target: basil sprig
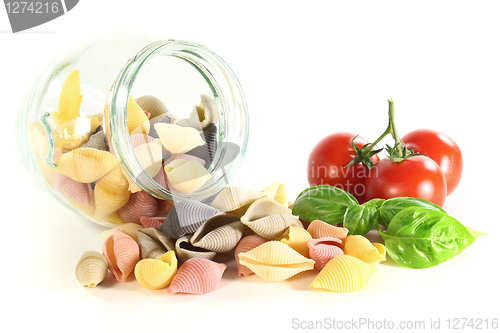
x,y
421,238
419,233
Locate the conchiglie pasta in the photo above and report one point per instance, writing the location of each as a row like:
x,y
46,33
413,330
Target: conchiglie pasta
x,y
91,269
186,176
138,121
360,247
275,261
344,274
127,228
197,276
319,229
122,254
111,193
177,139
246,244
297,239
235,200
156,273
70,99
86,165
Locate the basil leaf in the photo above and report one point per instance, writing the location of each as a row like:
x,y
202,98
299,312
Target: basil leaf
x,y
360,219
391,207
324,202
375,202
423,238
476,234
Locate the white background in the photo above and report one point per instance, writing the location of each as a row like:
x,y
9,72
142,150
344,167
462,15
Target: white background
x,y
307,71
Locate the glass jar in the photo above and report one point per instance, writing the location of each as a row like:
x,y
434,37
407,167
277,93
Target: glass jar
x,y
133,118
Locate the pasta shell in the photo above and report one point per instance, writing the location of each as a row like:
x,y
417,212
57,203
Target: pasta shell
x,y
71,189
186,217
152,222
272,226
360,247
122,254
177,139
185,250
208,150
184,157
275,261
140,204
235,200
322,250
264,207
153,243
111,193
129,229
186,176
149,155
96,141
297,239
153,105
320,229
207,111
140,139
114,218
246,244
282,195
137,120
164,207
344,274
156,273
86,165
91,269
220,233
271,190
70,99
197,276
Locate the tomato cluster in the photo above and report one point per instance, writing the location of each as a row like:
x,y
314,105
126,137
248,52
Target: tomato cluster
x,y
423,164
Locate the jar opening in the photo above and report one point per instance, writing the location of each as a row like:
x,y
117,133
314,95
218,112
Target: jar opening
x,y
191,81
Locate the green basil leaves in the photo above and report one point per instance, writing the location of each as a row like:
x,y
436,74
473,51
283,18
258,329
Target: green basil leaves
x,y
419,233
391,207
421,238
324,202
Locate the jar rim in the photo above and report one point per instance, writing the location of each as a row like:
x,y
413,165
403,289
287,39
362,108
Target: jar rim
x,y
229,98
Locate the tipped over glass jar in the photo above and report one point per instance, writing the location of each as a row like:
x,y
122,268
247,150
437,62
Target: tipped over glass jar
x,y
127,125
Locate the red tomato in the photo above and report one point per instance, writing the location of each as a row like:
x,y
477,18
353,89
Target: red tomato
x,y
418,177
328,158
442,149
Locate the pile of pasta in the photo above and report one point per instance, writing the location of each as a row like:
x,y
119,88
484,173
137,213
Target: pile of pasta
x,y
179,251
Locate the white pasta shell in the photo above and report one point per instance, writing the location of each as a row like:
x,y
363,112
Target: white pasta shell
x,y
153,243
272,226
177,139
275,261
149,155
264,207
235,200
220,233
186,176
91,269
185,250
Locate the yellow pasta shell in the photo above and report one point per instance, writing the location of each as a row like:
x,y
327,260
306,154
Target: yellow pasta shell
x,y
281,195
271,190
156,273
344,274
186,176
86,165
360,247
297,239
70,99
137,120
111,193
275,261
